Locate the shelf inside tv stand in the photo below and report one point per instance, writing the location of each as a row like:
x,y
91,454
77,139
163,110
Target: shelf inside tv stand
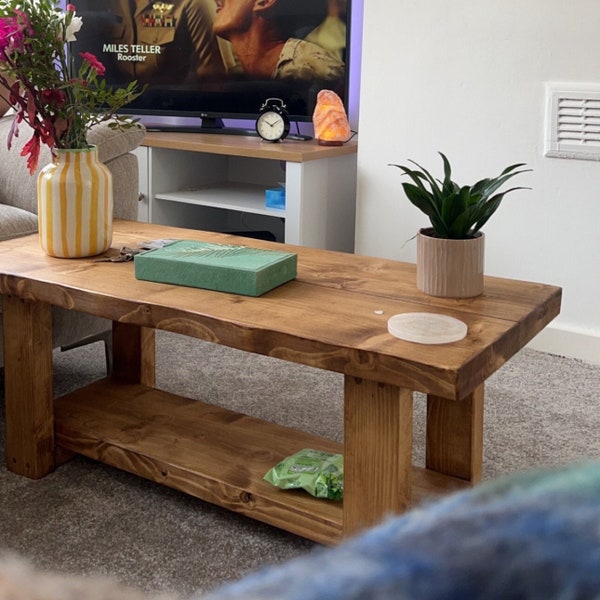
x,y
210,181
243,197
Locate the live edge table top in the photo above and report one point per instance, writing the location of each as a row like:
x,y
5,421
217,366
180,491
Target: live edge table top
x,y
333,315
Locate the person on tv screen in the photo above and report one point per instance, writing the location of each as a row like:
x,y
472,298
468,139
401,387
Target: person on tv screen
x,y
266,36
152,42
331,33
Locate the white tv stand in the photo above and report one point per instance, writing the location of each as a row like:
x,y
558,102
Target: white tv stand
x,y
218,183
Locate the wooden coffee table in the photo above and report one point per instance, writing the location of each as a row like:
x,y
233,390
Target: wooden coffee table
x,y
333,316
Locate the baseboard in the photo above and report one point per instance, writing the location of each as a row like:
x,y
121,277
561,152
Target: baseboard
x,y
565,342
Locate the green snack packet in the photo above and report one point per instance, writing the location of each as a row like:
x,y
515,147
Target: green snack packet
x,y
319,473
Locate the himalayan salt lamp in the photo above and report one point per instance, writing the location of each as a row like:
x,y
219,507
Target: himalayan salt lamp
x,y
330,120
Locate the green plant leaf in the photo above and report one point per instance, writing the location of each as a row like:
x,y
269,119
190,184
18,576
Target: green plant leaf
x,y
485,212
433,184
454,205
490,207
488,186
513,167
427,200
439,227
456,212
448,186
420,198
459,220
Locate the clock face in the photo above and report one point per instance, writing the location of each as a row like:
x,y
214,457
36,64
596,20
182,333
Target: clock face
x,y
271,126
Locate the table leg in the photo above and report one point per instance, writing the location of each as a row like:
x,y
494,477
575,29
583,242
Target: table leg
x,y
28,386
455,436
378,421
134,353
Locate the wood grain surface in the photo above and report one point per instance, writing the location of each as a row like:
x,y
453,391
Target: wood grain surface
x,y
332,316
247,146
221,456
28,381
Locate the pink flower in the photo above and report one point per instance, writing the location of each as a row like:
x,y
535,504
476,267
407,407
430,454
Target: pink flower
x,y
58,99
12,34
93,62
53,98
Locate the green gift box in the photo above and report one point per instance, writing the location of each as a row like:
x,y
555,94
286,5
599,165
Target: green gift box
x,y
221,267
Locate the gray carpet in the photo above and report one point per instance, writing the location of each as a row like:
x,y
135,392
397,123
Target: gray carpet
x,y
89,518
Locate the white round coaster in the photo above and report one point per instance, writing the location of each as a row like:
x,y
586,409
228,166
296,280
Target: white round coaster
x,y
427,328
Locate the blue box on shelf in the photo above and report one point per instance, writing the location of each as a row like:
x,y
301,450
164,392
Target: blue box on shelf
x,y
275,198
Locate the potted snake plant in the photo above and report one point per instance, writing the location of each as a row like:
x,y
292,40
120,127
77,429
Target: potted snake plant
x,y
450,253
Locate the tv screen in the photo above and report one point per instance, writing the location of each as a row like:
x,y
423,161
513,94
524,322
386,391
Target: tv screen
x,y
220,59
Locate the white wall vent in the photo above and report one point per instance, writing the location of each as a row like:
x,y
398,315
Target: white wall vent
x,y
573,121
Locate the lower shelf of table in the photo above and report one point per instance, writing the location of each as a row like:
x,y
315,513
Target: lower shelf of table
x,y
207,451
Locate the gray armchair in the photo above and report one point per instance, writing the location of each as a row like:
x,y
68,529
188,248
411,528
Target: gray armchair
x,y
18,211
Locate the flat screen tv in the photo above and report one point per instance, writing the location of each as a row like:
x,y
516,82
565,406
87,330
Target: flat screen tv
x,y
204,61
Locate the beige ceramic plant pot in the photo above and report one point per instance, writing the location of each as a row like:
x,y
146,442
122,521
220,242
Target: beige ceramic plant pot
x,y
450,268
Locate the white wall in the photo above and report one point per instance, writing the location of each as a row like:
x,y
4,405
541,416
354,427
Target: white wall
x,y
466,77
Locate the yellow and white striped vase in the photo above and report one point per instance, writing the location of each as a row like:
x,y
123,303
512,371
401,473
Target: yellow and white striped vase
x,y
75,204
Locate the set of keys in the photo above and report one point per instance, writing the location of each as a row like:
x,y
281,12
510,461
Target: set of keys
x,y
126,253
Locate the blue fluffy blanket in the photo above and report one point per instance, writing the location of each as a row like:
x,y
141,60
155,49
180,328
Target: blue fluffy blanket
x,y
528,536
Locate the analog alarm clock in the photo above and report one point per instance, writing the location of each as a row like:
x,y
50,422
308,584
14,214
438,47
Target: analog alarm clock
x,y
273,123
